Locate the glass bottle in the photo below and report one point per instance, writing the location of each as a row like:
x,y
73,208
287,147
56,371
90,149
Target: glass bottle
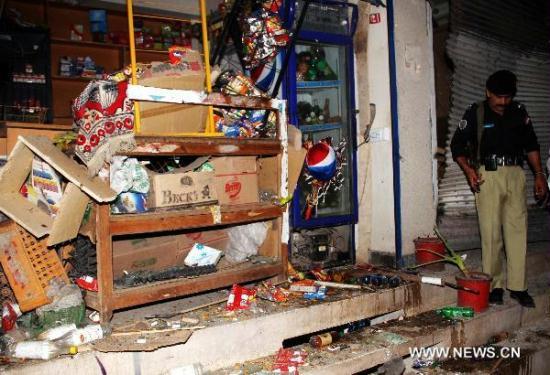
x,y
452,312
323,339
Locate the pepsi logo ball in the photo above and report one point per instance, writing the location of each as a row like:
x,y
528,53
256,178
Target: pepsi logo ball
x,y
321,161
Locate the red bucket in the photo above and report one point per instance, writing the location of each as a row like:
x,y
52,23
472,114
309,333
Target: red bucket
x,y
421,244
477,281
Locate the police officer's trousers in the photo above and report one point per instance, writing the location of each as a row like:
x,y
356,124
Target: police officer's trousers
x,y
502,213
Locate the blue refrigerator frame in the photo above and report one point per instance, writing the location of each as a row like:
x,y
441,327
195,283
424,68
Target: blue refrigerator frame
x,y
290,94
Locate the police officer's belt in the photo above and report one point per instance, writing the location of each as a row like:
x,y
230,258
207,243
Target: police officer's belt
x,y
503,160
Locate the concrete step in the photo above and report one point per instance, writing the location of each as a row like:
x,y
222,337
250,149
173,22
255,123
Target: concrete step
x,y
532,343
248,335
368,349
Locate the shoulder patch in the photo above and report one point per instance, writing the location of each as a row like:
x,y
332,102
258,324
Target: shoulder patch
x,y
462,124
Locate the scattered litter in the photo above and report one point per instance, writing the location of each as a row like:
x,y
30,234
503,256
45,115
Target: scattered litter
x,y
10,313
422,363
202,255
267,291
94,317
56,332
392,338
320,294
240,298
306,286
288,360
87,283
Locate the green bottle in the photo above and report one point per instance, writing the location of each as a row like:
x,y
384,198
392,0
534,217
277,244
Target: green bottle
x,y
454,312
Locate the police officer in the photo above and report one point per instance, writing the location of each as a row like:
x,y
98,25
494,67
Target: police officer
x,y
504,132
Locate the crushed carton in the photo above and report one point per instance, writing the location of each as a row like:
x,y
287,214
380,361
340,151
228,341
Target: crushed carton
x,y
201,255
166,118
13,175
155,253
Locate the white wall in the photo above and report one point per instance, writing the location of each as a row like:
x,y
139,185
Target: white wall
x,y
416,98
380,184
416,115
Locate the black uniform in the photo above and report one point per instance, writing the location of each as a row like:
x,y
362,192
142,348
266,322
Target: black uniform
x,y
511,134
500,202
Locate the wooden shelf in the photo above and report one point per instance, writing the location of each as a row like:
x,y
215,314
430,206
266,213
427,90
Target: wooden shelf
x,y
73,78
157,51
197,217
157,291
107,45
84,43
171,146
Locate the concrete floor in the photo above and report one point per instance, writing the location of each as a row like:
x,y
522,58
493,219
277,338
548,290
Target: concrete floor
x,y
249,335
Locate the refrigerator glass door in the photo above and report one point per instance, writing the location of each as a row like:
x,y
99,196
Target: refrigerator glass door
x,y
322,104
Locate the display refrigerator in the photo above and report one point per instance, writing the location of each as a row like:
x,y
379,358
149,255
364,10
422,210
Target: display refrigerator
x,y
319,88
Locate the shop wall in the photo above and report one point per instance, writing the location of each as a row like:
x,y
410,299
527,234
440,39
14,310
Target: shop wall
x,y
376,219
417,119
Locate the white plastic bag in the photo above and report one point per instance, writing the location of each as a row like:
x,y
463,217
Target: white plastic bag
x,y
245,240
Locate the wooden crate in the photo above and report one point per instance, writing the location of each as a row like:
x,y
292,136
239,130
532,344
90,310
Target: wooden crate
x,y
29,266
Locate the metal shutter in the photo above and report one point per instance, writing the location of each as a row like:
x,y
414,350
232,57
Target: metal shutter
x,y
487,36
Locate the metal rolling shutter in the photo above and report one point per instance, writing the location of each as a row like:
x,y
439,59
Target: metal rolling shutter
x,y
512,37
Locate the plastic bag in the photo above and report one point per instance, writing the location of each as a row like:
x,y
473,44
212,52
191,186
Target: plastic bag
x,y
244,241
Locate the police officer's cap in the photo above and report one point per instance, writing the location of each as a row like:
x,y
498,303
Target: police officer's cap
x,y
502,82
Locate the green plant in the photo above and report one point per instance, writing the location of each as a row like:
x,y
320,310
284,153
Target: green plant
x,y
453,257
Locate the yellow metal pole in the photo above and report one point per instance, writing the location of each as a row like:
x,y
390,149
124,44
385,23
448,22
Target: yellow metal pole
x,y
204,26
133,64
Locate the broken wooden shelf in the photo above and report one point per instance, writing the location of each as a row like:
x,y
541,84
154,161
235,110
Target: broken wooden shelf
x,y
161,290
174,145
162,220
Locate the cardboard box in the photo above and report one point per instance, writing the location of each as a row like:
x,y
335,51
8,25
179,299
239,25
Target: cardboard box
x,y
181,189
165,118
145,253
160,252
75,198
236,179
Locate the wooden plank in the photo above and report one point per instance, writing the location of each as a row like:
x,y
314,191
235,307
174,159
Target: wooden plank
x,y
164,290
167,220
104,250
163,145
71,210
77,174
161,95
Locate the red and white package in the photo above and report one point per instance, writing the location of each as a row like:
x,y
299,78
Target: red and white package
x,y
87,283
10,313
288,360
240,298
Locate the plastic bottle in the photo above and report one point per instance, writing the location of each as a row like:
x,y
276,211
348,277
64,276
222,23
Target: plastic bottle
x,y
452,312
41,350
84,335
323,339
56,332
